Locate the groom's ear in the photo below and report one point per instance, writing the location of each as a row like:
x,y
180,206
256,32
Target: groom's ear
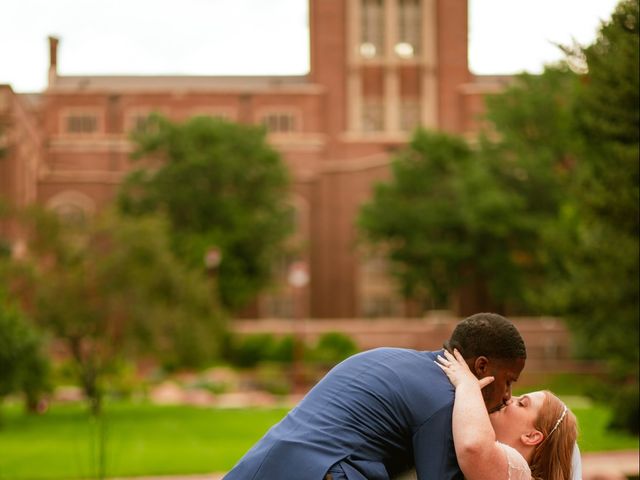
x,y
480,366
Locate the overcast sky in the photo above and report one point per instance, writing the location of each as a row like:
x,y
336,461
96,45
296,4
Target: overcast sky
x,y
260,37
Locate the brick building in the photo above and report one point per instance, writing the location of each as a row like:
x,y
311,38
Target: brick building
x,y
378,69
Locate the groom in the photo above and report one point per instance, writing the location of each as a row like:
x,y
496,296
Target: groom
x,y
384,411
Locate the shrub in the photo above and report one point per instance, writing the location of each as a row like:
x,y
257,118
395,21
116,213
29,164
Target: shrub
x,y
625,407
250,350
23,366
121,380
271,378
282,350
247,352
209,385
332,348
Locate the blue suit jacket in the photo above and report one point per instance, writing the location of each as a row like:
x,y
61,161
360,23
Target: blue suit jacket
x,y
377,414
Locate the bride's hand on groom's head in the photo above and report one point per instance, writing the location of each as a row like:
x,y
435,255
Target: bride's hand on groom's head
x,y
483,382
457,370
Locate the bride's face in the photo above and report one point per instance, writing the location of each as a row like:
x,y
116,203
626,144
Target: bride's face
x,y
517,417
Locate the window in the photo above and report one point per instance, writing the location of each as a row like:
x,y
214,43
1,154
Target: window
x,y
409,115
137,122
381,306
379,295
281,306
372,28
142,119
219,114
82,123
71,215
279,302
279,122
74,208
372,116
409,16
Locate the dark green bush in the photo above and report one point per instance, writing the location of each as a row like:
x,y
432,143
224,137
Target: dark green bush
x,y
247,352
121,380
23,365
36,377
250,350
332,348
626,408
282,350
5,248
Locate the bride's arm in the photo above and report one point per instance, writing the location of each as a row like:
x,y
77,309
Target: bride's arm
x,y
479,456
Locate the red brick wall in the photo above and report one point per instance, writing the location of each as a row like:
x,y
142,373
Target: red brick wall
x,y
547,339
333,172
22,141
453,68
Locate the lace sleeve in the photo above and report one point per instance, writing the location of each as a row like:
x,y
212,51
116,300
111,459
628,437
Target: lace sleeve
x,y
518,467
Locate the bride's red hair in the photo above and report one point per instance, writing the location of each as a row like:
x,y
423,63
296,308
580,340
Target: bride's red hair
x,y
551,458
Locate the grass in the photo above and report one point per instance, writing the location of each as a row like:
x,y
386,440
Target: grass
x,y
140,440
594,436
143,439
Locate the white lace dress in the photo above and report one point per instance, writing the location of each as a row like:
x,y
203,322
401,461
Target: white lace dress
x,y
518,466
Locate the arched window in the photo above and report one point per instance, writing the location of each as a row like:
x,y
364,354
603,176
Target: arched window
x,y
73,208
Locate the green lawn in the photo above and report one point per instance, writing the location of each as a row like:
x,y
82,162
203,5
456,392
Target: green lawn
x,y
147,440
140,440
593,436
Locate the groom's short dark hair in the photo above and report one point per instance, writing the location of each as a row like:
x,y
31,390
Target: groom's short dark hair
x,y
489,335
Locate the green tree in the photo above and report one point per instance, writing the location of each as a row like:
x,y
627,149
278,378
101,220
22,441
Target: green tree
x,y
567,146
114,290
602,285
221,186
23,365
479,219
454,218
528,152
416,217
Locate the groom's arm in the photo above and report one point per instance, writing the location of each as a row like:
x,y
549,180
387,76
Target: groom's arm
x,y
433,449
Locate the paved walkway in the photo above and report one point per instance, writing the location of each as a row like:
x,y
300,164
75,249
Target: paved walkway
x,y
595,466
610,465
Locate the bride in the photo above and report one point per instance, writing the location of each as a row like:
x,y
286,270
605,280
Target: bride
x,y
531,438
